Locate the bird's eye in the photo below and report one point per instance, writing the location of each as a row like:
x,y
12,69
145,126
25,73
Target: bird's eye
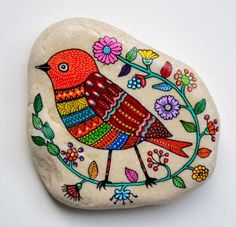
x,y
63,67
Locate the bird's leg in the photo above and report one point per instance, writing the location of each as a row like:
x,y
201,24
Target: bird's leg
x,y
149,181
102,184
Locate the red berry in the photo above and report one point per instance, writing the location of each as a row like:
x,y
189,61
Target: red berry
x,y
217,129
155,150
213,139
166,154
150,165
149,153
149,159
160,152
155,168
166,160
207,117
215,121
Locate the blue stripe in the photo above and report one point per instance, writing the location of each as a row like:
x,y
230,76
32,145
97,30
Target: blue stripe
x,y
78,117
119,142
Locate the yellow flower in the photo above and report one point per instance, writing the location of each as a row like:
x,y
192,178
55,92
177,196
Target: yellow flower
x,y
148,56
200,173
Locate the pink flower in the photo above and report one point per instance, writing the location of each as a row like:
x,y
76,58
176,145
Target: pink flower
x,y
107,49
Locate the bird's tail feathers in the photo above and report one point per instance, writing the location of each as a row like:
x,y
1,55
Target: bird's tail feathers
x,y
174,146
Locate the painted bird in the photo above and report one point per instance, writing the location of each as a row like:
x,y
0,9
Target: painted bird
x,y
99,113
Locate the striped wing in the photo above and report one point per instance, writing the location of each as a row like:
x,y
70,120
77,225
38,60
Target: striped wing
x,y
120,110
85,125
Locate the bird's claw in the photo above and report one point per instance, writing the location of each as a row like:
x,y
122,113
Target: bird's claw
x,y
102,184
150,181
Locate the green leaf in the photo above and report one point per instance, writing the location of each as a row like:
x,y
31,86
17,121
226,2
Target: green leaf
x,y
200,106
132,54
38,104
37,123
38,140
53,149
189,126
47,131
178,182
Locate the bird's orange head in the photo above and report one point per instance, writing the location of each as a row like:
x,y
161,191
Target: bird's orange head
x,y
69,68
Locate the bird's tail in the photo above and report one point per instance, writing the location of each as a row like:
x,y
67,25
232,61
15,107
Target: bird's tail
x,y
174,146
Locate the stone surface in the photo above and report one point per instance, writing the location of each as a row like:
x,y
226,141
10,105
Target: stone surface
x,y
101,103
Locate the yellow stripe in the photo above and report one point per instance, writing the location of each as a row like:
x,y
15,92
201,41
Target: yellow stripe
x,y
72,106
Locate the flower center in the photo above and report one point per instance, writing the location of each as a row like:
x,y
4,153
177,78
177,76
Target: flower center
x,y
147,61
168,107
185,80
106,50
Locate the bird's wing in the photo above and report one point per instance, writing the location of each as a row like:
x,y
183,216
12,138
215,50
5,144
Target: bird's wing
x,y
120,110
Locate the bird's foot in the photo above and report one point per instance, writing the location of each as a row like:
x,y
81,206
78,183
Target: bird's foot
x,y
102,184
150,181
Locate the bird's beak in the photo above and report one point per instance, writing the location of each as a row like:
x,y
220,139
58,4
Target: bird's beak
x,y
45,67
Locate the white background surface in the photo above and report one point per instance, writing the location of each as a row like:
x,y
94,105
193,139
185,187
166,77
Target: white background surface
x,y
201,33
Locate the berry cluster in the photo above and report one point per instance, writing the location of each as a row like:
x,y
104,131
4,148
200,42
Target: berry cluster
x,y
72,154
160,161
136,82
211,128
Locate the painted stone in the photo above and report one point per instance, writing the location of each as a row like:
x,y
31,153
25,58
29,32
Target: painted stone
x,y
114,123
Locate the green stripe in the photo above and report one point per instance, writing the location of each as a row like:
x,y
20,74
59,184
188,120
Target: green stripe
x,y
150,121
95,135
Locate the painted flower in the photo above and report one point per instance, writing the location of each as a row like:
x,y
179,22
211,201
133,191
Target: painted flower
x,y
200,173
72,191
72,154
107,49
148,56
186,78
211,128
167,107
137,82
122,195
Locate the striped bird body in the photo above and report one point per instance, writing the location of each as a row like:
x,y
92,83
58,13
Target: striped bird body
x,y
100,114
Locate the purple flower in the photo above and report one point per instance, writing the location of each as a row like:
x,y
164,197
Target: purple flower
x,y
167,107
107,49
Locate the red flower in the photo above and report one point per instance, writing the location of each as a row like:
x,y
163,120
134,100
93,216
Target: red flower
x,y
72,154
212,127
72,191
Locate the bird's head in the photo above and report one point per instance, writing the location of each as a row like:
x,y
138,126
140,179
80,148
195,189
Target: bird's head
x,y
69,68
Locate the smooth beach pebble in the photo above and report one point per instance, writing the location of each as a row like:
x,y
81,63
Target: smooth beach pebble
x,y
114,123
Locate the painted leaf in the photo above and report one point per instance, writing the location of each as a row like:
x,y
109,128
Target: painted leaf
x,y
93,170
200,106
53,149
47,131
38,104
204,152
132,54
162,87
166,70
38,140
131,175
37,123
178,182
189,126
125,70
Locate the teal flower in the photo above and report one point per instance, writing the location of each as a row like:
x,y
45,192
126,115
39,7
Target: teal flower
x,y
122,195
